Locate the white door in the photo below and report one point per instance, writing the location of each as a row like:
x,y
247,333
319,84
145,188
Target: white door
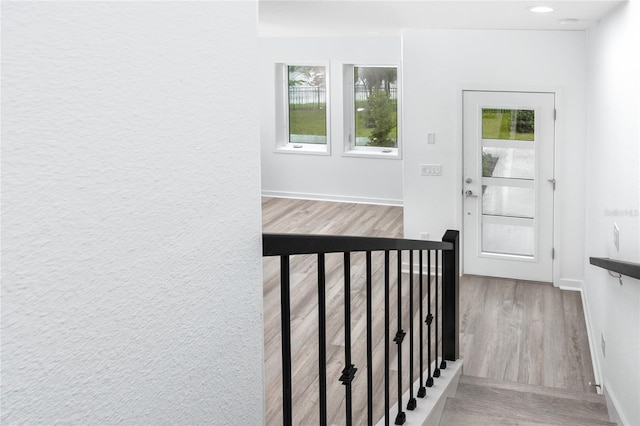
x,y
508,184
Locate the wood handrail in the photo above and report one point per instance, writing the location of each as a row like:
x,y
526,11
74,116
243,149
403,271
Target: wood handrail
x,y
292,244
630,269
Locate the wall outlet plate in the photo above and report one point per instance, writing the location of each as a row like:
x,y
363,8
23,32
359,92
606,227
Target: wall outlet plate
x,y
616,236
431,169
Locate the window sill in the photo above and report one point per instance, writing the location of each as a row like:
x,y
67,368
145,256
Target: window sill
x,y
304,148
370,152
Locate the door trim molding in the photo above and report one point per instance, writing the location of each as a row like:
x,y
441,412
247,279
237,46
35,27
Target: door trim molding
x,y
459,165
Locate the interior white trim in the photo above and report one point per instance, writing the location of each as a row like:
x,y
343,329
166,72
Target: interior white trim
x,y
334,198
568,284
559,129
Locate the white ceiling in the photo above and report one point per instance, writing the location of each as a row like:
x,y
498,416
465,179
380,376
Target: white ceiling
x,y
309,18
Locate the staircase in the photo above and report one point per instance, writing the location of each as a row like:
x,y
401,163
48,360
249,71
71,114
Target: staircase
x,y
481,401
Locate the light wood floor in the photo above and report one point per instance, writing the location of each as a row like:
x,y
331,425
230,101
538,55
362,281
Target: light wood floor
x,y
510,330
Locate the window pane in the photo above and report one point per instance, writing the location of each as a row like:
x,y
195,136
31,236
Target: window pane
x,y
376,106
515,124
508,201
307,104
507,239
508,163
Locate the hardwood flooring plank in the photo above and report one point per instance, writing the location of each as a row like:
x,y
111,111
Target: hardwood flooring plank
x,y
536,389
531,361
524,405
576,345
478,412
554,340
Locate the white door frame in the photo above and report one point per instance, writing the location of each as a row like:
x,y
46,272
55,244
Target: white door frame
x,y
559,130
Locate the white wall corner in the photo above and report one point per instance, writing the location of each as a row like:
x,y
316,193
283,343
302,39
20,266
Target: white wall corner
x,y
615,414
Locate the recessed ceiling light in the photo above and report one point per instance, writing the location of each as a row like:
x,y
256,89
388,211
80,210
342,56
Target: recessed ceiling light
x,y
540,9
567,21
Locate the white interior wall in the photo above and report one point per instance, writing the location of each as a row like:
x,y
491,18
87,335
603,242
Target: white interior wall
x,y
131,250
438,65
613,196
334,177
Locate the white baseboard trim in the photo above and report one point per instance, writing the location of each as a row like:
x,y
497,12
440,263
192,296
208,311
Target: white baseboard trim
x,y
569,284
615,415
334,198
416,268
429,410
593,344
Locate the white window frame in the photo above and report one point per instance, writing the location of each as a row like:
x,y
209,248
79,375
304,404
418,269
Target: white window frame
x,y
350,149
283,145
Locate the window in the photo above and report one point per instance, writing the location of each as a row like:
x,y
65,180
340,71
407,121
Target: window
x,y
303,118
371,110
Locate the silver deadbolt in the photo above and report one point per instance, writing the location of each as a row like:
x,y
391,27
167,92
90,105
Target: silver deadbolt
x,y
468,180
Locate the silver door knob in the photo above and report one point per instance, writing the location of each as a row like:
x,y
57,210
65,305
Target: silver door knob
x,y
469,193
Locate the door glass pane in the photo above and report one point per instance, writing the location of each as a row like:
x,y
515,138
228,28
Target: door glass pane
x,y
508,162
508,201
507,239
514,124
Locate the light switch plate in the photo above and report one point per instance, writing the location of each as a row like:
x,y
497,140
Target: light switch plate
x,y
616,236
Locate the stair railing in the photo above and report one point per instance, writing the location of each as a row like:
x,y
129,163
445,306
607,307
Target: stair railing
x,y
445,255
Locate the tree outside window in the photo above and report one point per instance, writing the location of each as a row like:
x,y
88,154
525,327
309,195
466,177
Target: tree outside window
x,y
376,106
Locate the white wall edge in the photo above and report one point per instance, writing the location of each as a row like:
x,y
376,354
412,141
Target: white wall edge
x,y
334,198
592,342
615,415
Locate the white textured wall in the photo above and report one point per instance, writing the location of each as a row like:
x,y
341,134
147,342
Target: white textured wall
x,y
438,65
613,196
131,272
376,180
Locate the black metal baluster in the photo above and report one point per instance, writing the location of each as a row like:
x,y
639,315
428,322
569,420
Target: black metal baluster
x,y
322,340
436,371
401,417
386,338
411,405
349,371
429,319
285,324
369,345
422,391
